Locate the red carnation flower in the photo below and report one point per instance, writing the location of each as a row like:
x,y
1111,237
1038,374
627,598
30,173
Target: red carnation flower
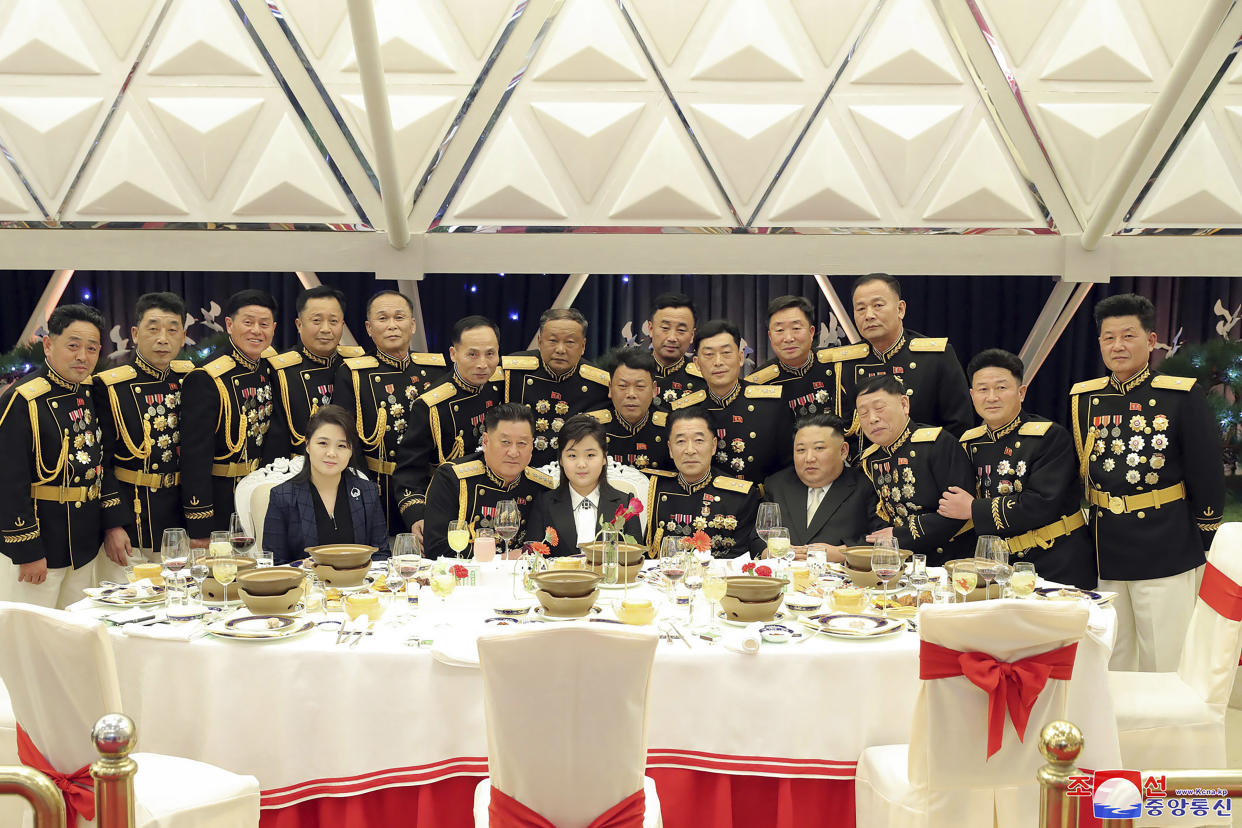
x,y
458,571
765,571
748,568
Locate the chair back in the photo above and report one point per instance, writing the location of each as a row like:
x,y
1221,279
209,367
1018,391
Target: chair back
x,y
949,737
250,497
1209,659
566,711
61,677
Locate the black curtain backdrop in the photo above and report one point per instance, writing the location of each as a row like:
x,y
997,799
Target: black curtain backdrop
x,y
974,312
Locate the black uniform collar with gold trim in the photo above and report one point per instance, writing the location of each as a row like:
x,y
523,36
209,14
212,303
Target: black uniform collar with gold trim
x,y
58,380
243,360
461,383
147,368
1008,428
797,372
497,480
1132,383
555,376
691,488
326,362
387,359
892,350
663,370
727,398
901,440
625,424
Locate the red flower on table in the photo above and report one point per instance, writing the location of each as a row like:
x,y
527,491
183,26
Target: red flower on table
x,y
752,569
765,570
540,547
748,568
700,541
458,571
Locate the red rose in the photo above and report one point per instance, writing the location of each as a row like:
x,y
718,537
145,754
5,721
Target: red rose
x,y
620,515
765,571
551,537
635,507
748,568
458,571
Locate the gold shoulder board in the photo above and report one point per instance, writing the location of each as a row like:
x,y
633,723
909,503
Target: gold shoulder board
x,y
540,478
422,358
1172,383
689,400
1035,429
870,451
602,415
659,473
925,435
34,389
925,344
119,374
471,469
843,352
498,375
732,484
520,363
660,418
349,351
358,363
268,352
693,370
181,366
285,360
977,431
219,366
1089,385
594,374
764,374
443,391
763,392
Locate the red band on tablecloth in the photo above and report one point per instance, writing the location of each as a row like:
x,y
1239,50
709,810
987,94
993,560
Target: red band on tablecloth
x,y
1220,593
1015,685
78,788
506,812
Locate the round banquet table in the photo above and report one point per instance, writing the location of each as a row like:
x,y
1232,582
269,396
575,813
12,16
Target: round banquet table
x,y
389,733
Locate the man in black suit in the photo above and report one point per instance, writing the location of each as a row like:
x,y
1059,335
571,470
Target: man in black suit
x,y
823,500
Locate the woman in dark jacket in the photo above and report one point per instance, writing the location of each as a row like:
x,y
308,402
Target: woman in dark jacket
x,y
329,500
574,507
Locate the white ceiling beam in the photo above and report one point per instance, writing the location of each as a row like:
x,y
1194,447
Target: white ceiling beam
x,y
1044,323
844,317
47,303
409,289
1045,346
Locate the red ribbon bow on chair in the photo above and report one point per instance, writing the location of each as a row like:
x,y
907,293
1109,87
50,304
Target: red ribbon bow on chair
x,y
1014,685
78,788
1220,593
506,812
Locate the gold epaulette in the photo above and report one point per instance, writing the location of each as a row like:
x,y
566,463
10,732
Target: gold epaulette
x,y
603,415
424,358
764,374
926,344
1035,429
519,363
121,373
732,484
219,366
594,374
925,435
350,351
660,418
358,363
541,478
977,431
689,400
659,473
1172,383
443,391
34,389
181,366
693,370
88,381
472,469
841,353
1089,385
285,360
763,392
268,352
498,375
870,451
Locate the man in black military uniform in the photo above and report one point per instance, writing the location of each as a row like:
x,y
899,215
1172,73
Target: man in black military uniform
x,y
139,406
636,434
58,498
808,385
1150,455
227,409
911,465
470,489
380,390
672,332
1027,488
927,367
750,421
553,380
696,498
305,376
446,421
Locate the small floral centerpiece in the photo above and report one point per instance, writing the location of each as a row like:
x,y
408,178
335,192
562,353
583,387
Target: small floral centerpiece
x,y
543,547
459,573
762,570
617,522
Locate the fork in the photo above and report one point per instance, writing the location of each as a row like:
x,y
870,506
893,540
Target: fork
x,y
361,633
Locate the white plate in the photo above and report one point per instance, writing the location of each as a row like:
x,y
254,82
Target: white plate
x,y
543,616
298,628
848,626
780,618
115,597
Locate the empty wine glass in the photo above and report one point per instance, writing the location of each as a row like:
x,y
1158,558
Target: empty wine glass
x,y
990,552
396,582
918,573
1003,574
200,568
508,521
768,517
885,563
175,554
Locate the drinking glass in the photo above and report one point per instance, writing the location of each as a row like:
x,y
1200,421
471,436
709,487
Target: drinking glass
x,y
693,582
241,538
672,561
264,557
200,568
175,554
887,542
396,582
443,582
458,536
714,586
316,596
990,551
817,559
942,590
1023,581
965,579
885,563
485,545
405,545
1003,573
768,517
219,545
224,570
778,544
508,521
918,571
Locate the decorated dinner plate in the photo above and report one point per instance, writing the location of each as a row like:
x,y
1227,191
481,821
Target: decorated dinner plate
x,y
1067,592
843,625
542,614
261,628
780,618
125,596
260,623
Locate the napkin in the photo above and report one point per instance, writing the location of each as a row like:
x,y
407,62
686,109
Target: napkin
x,y
458,647
166,632
745,641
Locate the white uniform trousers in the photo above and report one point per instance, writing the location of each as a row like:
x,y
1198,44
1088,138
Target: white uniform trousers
x,y
1152,619
62,587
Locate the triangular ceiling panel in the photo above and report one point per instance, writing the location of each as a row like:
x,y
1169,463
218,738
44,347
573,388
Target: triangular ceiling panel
x,y
317,21
1197,187
1172,22
907,45
1020,23
1087,140
666,186
48,135
744,141
828,39
128,179
905,140
508,185
587,43
669,24
39,39
587,137
202,37
409,40
418,122
981,185
478,20
289,181
120,22
207,132
13,201
1099,45
822,186
748,45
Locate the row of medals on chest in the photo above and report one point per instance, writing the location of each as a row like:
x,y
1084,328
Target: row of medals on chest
x,y
256,403
897,487
83,433
1108,441
687,524
396,409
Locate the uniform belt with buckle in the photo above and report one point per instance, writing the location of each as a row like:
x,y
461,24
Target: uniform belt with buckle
x,y
381,467
151,481
1121,504
1044,536
233,469
64,494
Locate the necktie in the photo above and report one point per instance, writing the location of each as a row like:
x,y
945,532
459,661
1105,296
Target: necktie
x,y
816,496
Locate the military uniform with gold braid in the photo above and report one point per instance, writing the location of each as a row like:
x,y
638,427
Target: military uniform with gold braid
x,y
553,398
1149,452
446,424
467,490
140,411
643,446
752,430
909,476
722,507
1029,493
57,495
927,366
305,383
811,389
381,392
676,381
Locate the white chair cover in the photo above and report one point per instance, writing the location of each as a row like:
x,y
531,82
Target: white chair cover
x,y
61,676
11,807
252,491
625,479
566,711
944,777
1177,720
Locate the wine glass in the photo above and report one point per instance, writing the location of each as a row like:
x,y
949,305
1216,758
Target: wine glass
x,y
885,563
458,536
817,559
768,517
175,553
396,582
408,558
714,586
443,582
918,572
670,552
1023,580
200,568
990,551
224,570
240,537
965,579
508,521
1003,573
219,545
778,544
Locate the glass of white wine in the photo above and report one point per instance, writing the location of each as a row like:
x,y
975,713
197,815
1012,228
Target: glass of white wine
x,y
714,586
224,570
443,582
1022,582
965,579
779,548
219,546
458,536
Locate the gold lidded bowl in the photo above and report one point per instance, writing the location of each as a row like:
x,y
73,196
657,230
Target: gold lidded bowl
x,y
736,609
272,580
566,583
566,607
754,588
333,577
342,555
282,604
628,554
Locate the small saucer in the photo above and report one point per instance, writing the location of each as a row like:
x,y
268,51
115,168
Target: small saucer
x,y
776,633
